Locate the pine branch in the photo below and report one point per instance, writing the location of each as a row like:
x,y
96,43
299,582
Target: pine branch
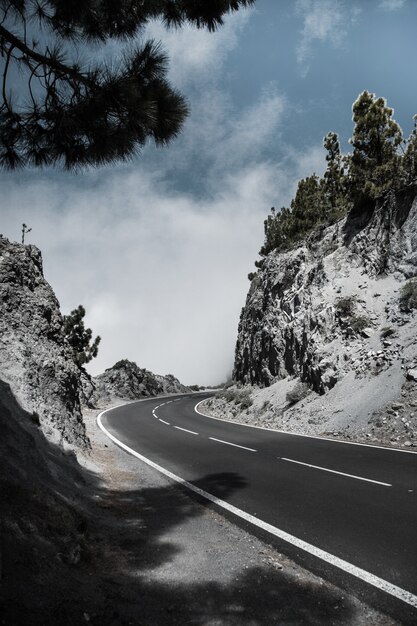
x,y
47,60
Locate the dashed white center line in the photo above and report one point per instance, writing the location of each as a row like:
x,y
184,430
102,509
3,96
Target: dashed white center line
x,y
164,422
154,414
228,443
186,430
326,469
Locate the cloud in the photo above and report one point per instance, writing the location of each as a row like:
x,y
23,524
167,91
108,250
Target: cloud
x,y
220,137
196,54
324,21
162,274
392,5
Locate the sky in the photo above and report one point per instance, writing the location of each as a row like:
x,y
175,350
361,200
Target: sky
x,y
158,249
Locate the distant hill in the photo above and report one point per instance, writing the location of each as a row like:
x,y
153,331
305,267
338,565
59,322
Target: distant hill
x,y
127,381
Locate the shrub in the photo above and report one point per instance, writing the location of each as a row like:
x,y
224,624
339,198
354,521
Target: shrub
x,y
359,322
226,394
297,393
265,406
238,396
35,418
244,399
408,295
345,307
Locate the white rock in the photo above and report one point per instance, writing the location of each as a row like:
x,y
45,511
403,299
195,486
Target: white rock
x,y
412,375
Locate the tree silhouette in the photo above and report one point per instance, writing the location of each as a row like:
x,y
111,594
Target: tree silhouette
x,y
79,337
89,114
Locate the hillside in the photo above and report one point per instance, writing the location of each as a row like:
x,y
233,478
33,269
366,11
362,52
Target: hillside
x,y
126,381
327,340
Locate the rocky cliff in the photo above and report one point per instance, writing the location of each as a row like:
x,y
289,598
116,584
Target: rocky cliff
x,y
126,381
34,358
310,309
335,316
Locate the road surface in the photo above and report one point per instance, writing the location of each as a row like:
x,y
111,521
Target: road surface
x,y
350,507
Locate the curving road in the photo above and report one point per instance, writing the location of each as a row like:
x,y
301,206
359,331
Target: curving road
x,y
349,508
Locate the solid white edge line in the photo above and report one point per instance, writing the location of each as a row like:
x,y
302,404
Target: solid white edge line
x,y
164,422
186,430
326,469
286,432
229,443
371,579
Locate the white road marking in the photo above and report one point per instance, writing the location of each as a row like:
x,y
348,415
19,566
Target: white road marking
x,y
325,469
286,432
164,422
228,443
186,430
371,579
154,414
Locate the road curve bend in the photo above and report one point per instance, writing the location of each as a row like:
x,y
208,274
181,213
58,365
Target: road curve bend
x,y
350,507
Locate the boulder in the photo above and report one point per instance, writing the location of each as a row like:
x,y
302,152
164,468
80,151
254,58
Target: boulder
x,y
412,375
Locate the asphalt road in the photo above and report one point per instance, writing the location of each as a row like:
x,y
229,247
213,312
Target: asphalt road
x,y
353,504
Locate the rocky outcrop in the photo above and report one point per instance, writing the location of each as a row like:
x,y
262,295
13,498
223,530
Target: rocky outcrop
x,y
126,381
34,358
326,307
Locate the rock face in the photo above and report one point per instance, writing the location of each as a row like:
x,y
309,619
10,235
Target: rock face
x,y
126,381
34,358
332,305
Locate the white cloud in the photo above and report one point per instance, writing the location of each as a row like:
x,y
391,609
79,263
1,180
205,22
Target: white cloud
x,y
324,21
392,5
163,277
196,53
227,139
161,274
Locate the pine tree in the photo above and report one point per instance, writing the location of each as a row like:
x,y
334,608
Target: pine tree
x,y
80,115
374,163
79,337
334,179
409,161
308,208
